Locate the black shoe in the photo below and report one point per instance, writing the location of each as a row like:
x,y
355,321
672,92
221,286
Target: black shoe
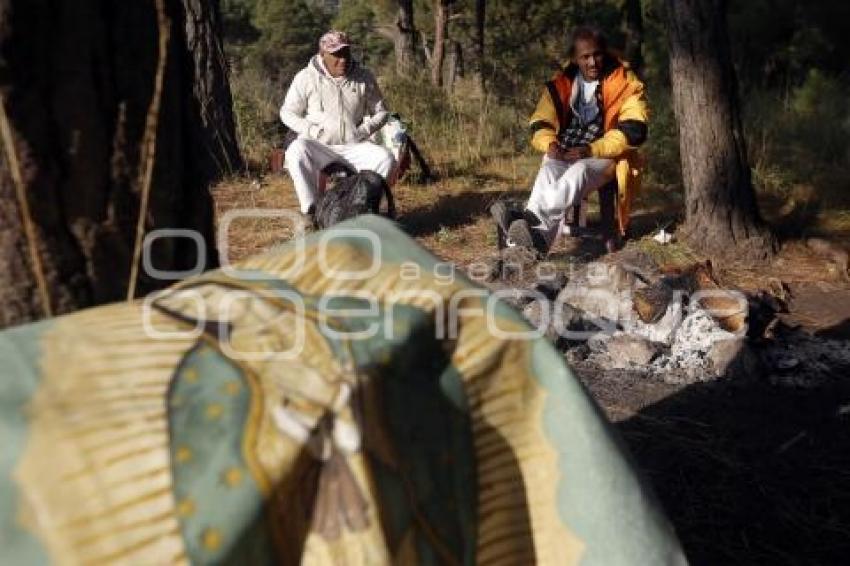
x,y
503,215
522,235
519,234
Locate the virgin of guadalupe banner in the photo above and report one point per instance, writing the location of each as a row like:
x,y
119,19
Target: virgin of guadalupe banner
x,y
334,401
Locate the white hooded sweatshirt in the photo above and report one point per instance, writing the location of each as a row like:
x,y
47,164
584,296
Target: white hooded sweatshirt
x,y
334,111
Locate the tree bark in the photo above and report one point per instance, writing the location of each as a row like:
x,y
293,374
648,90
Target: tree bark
x,y
721,214
438,54
209,102
78,79
405,39
633,23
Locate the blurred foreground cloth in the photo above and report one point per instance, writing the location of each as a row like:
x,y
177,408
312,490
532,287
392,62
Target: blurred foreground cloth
x,y
300,412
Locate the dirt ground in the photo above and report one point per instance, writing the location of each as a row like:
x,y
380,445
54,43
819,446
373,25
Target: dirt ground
x,y
749,472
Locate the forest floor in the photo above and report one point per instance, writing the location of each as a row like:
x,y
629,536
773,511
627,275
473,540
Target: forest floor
x,y
749,472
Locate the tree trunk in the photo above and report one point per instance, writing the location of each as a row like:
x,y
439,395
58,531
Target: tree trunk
x,y
438,54
633,24
209,113
480,19
79,82
405,39
721,215
455,68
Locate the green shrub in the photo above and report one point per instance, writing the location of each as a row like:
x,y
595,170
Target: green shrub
x,y
461,128
289,35
256,101
359,19
801,139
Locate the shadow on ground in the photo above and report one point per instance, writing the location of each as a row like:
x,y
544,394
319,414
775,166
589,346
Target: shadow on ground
x,y
452,211
749,473
792,218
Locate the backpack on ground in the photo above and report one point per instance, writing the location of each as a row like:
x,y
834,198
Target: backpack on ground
x,y
351,194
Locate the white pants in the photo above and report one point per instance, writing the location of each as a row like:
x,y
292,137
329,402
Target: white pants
x,y
561,184
305,159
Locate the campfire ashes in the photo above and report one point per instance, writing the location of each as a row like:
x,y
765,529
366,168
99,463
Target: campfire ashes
x,y
624,313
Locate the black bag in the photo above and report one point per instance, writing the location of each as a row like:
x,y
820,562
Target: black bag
x,y
351,194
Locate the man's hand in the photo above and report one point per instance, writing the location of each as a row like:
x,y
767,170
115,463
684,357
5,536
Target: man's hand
x,y
361,134
555,151
576,153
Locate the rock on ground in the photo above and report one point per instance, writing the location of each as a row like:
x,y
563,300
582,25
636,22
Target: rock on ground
x,y
626,351
734,358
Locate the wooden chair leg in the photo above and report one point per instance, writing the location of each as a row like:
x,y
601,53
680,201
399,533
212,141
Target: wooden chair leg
x,y
608,216
608,209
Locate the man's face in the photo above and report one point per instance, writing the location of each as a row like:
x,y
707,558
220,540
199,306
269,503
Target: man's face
x,y
589,58
337,62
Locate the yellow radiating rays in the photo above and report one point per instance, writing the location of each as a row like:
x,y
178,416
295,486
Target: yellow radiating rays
x,y
213,537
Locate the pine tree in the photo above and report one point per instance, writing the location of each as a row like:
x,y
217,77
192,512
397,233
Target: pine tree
x,y
289,36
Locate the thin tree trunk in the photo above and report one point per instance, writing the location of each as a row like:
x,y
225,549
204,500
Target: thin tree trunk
x,y
405,38
426,50
438,54
633,23
480,19
78,81
721,214
455,68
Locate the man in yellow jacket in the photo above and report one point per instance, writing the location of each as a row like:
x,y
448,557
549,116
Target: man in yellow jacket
x,y
589,121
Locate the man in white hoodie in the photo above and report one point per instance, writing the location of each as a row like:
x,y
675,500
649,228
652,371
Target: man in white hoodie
x,y
334,105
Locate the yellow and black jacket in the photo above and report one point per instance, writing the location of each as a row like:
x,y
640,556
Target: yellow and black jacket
x,y
625,115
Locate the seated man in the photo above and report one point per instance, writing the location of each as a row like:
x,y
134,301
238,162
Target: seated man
x,y
588,122
334,105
